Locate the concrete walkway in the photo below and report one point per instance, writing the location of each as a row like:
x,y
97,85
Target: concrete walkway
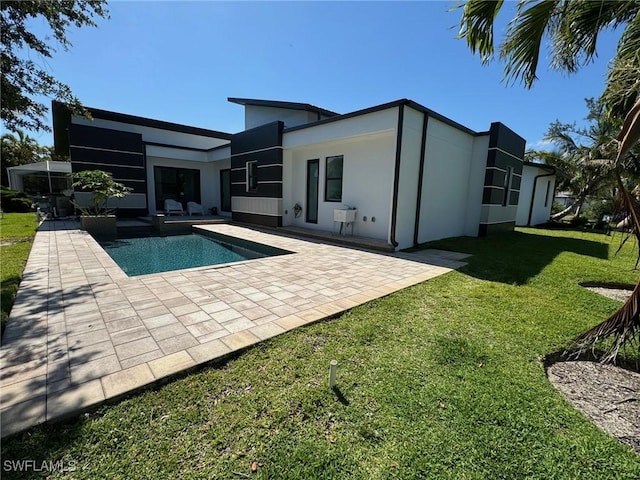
x,y
82,332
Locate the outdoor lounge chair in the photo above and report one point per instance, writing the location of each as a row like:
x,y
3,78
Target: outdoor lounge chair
x,y
194,208
171,206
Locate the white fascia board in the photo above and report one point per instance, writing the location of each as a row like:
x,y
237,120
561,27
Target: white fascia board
x,y
370,123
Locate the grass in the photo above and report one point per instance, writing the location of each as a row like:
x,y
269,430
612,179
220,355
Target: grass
x,y
440,380
16,232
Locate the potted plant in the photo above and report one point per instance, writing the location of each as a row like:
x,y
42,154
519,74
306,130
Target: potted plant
x,y
96,218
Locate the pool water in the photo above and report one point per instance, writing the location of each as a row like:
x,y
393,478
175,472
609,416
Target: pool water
x,y
141,256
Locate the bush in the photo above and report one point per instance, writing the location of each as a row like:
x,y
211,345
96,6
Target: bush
x,y
579,221
598,209
556,208
13,201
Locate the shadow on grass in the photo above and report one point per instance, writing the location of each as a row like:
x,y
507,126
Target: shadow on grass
x,y
340,396
516,257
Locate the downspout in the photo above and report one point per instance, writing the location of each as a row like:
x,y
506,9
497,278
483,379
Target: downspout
x,y
396,176
533,193
423,149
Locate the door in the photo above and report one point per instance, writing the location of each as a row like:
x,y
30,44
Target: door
x,y
313,174
225,190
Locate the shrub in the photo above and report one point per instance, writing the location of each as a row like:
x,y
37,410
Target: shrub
x,y
13,201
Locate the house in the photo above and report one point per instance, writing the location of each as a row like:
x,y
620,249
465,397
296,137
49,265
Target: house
x,y
536,194
409,174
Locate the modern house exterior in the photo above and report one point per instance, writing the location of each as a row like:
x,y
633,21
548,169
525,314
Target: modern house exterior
x,y
409,174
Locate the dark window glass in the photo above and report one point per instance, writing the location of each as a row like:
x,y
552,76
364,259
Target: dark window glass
x,y
252,176
333,179
180,184
225,190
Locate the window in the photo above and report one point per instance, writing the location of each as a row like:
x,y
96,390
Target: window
x,y
252,176
333,179
546,195
507,186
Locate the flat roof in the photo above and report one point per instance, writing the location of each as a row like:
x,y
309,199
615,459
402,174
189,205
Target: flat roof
x,y
543,166
279,104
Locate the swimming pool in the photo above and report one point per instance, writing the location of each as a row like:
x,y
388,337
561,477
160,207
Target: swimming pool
x,y
145,255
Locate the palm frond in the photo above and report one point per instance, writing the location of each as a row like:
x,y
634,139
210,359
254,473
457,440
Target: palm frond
x,y
476,26
521,49
623,326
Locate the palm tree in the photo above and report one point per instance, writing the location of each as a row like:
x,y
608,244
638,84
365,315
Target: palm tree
x,y
19,150
572,28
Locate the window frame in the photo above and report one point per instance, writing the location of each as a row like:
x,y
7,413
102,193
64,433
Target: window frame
x,y
252,175
508,175
327,179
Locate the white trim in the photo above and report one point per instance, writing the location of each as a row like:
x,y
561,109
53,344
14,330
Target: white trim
x,y
237,169
494,186
256,151
109,164
270,181
506,153
270,165
107,150
497,168
517,175
128,180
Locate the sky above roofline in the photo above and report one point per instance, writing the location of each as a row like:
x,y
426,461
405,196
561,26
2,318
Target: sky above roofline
x,y
180,61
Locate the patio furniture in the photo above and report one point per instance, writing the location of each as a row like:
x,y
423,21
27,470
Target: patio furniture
x,y
171,206
194,208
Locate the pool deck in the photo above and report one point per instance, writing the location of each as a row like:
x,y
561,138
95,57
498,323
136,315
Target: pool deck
x,y
81,332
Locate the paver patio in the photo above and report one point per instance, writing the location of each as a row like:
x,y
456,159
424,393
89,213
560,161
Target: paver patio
x,y
81,332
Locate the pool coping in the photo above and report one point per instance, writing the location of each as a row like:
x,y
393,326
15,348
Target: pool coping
x,y
82,333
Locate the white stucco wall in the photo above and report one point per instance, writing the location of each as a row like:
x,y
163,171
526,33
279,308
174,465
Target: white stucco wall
x,y
475,187
367,183
209,179
150,134
447,180
409,176
255,116
544,194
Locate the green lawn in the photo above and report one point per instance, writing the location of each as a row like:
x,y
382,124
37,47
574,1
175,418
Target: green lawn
x,y
16,231
441,380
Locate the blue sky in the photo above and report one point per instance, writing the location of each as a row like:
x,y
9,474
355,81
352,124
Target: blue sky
x,y
179,61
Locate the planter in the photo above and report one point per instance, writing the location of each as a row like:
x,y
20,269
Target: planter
x,y
101,227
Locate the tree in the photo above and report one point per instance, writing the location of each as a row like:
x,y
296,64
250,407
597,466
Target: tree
x,y
102,187
20,149
572,29
584,157
22,79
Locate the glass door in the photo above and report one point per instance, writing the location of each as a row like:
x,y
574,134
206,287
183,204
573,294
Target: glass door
x,y
313,173
225,190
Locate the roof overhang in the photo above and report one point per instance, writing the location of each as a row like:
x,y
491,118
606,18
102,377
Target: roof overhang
x,y
307,107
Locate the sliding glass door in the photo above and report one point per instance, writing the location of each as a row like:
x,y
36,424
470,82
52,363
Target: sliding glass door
x,y
181,184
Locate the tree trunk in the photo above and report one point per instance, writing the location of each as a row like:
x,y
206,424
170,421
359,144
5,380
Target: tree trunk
x,y
563,213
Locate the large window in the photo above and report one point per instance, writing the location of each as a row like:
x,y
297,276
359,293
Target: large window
x,y
333,179
179,184
252,176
